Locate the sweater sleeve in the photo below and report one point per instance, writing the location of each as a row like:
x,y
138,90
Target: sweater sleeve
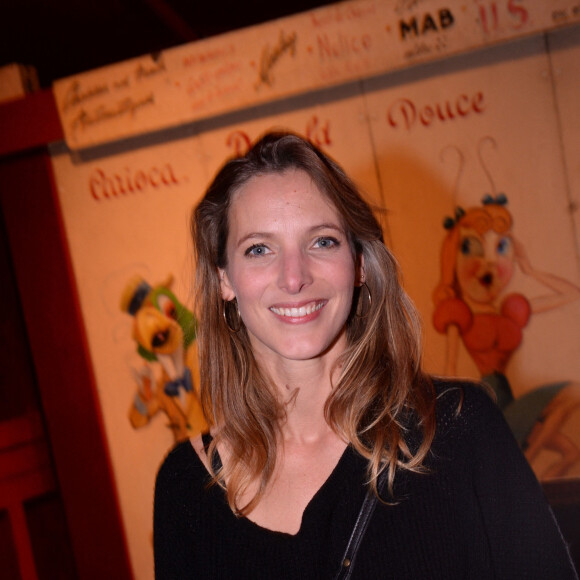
x,y
523,536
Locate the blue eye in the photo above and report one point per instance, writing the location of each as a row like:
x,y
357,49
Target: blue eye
x,y
503,246
256,250
327,242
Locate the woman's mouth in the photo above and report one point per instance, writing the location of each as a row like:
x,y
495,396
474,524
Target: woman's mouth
x,y
298,311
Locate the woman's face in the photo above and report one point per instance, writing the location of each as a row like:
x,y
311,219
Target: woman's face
x,y
485,264
290,267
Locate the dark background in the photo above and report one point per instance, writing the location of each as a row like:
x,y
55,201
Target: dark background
x,y
60,38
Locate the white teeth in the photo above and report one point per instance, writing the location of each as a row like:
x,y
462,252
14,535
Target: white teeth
x,y
297,312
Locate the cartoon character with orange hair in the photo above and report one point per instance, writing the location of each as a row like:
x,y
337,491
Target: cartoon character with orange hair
x,y
478,259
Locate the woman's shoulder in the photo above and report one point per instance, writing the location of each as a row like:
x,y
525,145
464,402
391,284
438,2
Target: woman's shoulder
x,y
182,462
463,407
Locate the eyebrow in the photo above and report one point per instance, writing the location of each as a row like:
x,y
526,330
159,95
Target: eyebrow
x,y
270,235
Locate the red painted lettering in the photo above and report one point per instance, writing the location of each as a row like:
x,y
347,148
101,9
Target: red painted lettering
x,y
444,114
491,23
494,15
426,115
405,113
477,102
115,185
168,176
403,109
240,142
153,177
119,187
463,105
519,12
140,180
317,132
342,45
96,184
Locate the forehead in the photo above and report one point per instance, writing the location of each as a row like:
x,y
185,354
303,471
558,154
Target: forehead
x,y
291,193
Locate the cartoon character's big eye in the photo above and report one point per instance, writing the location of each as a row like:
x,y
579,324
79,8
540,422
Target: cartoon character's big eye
x,y
503,246
166,305
471,246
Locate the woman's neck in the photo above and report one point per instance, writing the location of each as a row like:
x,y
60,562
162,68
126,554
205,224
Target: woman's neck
x,y
304,387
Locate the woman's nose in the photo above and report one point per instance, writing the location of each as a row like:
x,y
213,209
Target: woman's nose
x,y
294,272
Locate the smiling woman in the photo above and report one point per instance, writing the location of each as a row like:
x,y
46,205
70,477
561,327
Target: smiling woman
x,y
311,378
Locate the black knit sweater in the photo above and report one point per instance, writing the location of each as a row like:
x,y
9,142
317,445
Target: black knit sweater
x,y
478,514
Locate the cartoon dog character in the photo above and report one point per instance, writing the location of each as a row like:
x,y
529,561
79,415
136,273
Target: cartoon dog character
x,y
164,331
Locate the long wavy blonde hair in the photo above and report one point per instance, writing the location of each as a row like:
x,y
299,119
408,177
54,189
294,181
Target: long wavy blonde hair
x,y
381,391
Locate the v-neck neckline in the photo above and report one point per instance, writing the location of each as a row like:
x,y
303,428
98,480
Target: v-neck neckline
x,y
323,496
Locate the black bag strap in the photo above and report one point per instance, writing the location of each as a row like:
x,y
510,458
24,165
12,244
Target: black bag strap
x,y
362,521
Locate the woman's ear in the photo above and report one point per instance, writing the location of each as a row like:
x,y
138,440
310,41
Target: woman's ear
x,y
225,285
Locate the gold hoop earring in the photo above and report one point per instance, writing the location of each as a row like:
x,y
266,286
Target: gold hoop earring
x,y
364,311
233,328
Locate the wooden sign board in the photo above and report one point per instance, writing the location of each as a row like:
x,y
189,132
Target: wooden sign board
x,y
311,51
